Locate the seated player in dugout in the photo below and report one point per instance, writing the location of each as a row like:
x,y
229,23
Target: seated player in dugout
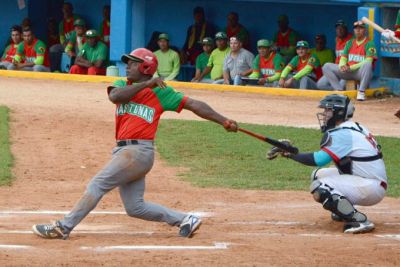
x,y
11,49
267,65
77,38
285,39
202,61
194,35
216,61
356,63
359,177
324,54
168,60
303,71
140,101
105,26
32,54
93,57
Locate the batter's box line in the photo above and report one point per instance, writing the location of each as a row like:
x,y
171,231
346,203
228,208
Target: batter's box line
x,y
216,246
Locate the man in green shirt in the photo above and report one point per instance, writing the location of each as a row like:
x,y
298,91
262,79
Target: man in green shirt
x,y
76,39
305,69
202,61
168,60
324,54
216,61
285,39
92,59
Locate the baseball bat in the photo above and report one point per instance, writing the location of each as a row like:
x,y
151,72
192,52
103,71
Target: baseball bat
x,y
286,147
377,27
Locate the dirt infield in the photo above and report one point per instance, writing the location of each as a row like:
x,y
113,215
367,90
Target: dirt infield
x,y
62,133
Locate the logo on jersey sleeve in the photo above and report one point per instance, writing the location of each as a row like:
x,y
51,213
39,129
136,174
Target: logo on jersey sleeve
x,y
372,51
138,110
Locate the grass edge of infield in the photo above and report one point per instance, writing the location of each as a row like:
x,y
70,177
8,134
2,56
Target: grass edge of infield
x,y
6,158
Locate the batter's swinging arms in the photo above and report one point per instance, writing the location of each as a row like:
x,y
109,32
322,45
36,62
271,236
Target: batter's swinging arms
x,y
140,101
360,175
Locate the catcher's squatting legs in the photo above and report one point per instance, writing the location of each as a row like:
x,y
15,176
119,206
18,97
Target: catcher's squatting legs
x,y
126,169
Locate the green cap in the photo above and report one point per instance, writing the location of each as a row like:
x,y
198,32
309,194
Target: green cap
x,y
263,43
221,35
302,44
283,18
163,36
207,41
79,22
340,22
91,33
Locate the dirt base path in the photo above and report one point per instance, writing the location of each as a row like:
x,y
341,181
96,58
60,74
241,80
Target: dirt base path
x,y
62,134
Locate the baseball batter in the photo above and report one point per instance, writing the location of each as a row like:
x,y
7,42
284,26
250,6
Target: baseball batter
x,y
359,177
140,101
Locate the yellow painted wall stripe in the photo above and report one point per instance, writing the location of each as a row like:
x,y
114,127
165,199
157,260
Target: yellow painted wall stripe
x,y
371,17
186,85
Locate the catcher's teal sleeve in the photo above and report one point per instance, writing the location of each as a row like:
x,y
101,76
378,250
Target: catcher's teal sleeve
x,y
322,158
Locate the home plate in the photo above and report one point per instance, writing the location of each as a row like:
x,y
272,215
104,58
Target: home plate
x,y
216,246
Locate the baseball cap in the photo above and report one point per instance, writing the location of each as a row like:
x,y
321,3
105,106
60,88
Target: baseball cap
x,y
340,22
79,22
207,41
220,35
302,44
163,36
359,23
283,18
91,33
263,43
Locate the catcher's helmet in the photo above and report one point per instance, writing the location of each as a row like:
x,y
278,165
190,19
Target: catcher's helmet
x,y
342,110
146,57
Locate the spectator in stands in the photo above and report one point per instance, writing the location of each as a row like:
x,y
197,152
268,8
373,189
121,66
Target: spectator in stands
x,y
324,54
342,36
105,26
216,61
202,61
303,71
268,65
52,32
93,57
31,54
389,33
237,63
65,28
286,38
168,60
11,50
77,38
356,62
235,29
194,36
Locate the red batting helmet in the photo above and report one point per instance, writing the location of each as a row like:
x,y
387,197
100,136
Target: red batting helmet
x,y
146,57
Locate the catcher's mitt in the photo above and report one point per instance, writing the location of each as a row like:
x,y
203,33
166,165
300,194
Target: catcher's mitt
x,y
276,151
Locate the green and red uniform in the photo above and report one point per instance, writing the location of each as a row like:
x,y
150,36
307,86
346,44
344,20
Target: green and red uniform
x,y
297,64
340,45
65,28
267,67
33,53
10,52
285,40
105,32
138,119
357,53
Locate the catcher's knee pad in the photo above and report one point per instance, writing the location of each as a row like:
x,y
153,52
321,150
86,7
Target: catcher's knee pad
x,y
319,191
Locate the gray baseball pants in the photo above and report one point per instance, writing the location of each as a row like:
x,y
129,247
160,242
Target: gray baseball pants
x,y
127,170
304,83
334,75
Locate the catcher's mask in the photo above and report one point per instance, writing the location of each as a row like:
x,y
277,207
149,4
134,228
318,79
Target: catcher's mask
x,y
336,108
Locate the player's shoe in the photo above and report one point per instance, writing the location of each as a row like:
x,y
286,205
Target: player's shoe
x,y
53,230
358,227
336,218
189,225
360,96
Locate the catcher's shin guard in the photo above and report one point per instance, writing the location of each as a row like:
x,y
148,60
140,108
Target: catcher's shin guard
x,y
335,203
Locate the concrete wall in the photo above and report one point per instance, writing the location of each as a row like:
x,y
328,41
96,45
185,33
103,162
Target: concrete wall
x,y
10,14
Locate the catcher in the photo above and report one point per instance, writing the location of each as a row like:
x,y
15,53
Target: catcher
x,y
359,177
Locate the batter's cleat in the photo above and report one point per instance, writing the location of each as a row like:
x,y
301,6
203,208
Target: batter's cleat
x,y
51,231
336,217
360,96
189,225
358,227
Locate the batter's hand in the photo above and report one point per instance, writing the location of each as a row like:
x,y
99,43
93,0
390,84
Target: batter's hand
x,y
230,125
156,82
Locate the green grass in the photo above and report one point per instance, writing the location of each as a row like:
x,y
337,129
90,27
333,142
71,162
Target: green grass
x,y
6,159
215,158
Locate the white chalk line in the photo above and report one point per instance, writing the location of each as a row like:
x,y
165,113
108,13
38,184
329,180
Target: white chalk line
x,y
23,232
216,246
268,223
3,246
